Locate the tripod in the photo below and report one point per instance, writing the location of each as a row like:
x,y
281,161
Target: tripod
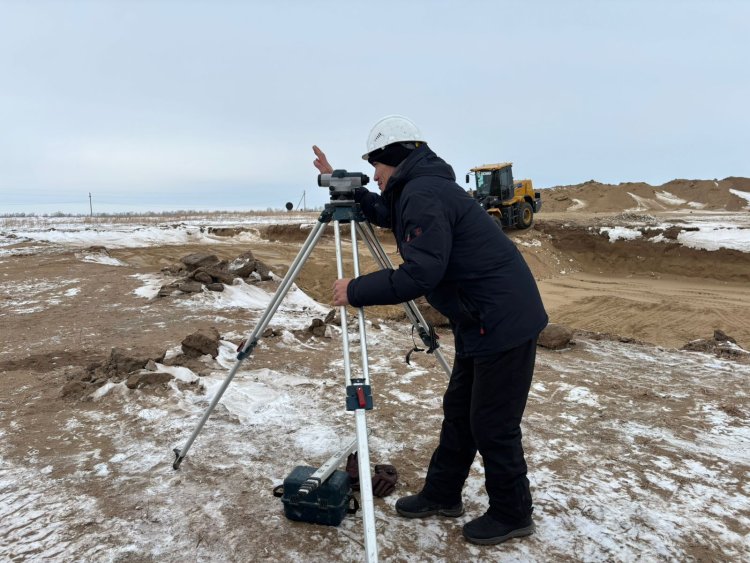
x,y
358,389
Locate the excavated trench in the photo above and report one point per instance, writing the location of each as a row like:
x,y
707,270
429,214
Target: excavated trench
x,y
594,252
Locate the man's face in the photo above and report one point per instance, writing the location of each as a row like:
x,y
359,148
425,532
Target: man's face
x,y
382,174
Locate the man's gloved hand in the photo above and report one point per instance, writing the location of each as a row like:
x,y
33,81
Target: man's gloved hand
x,y
352,468
359,193
384,480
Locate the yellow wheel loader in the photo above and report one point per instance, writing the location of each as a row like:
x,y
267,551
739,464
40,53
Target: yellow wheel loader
x,y
511,204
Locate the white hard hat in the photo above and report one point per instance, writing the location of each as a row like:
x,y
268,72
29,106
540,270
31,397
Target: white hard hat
x,y
392,129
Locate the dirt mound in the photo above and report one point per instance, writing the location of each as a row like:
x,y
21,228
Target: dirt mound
x,y
289,233
597,197
51,360
296,232
738,183
227,231
593,251
721,345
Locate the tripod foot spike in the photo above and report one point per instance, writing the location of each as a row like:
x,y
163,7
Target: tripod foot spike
x,y
178,459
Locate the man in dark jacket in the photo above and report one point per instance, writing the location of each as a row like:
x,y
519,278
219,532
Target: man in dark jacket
x,y
468,269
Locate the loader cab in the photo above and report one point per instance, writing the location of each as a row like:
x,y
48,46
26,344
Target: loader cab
x,y
511,204
495,181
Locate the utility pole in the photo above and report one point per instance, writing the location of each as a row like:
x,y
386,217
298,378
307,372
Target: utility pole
x,y
91,207
303,201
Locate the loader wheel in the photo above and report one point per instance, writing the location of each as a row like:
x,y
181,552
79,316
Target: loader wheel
x,y
525,216
497,221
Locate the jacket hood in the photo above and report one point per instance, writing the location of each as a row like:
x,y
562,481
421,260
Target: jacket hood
x,y
422,162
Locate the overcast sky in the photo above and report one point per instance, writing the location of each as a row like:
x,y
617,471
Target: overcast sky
x,y
215,104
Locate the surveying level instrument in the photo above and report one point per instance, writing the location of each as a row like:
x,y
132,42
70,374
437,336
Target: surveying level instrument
x,y
341,209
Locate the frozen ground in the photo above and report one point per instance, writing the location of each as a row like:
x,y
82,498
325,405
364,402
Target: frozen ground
x,y
704,230
709,230
636,452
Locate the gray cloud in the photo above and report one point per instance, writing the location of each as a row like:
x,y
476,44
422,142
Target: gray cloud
x,y
195,102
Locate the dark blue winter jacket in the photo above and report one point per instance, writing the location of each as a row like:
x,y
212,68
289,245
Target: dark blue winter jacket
x,y
453,254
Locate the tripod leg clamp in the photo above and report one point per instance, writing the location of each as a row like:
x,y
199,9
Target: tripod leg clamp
x,y
429,338
244,349
358,397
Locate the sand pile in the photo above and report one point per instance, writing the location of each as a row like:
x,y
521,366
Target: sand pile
x,y
597,197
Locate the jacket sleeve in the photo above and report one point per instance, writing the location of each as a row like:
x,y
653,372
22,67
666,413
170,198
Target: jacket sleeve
x,y
374,208
426,242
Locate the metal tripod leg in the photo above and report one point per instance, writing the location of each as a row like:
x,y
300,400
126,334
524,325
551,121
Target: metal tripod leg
x,y
252,340
412,311
359,399
358,391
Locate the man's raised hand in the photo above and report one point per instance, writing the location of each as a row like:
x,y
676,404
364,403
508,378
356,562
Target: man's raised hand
x,y
321,162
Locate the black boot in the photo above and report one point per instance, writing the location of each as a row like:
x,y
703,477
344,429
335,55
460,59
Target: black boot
x,y
417,506
485,530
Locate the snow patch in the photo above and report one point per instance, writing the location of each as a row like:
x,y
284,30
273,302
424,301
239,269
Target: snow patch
x,y
530,243
582,395
178,372
151,414
620,233
101,470
120,236
711,237
669,198
39,294
743,195
151,285
103,259
110,388
241,295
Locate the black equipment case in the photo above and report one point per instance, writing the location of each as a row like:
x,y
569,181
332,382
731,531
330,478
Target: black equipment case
x,y
328,504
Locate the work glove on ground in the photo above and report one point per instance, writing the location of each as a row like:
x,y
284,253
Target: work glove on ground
x,y
384,480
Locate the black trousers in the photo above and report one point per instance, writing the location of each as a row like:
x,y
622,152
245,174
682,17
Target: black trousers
x,y
482,410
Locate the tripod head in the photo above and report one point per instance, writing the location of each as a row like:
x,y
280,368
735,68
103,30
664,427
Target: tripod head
x,y
341,184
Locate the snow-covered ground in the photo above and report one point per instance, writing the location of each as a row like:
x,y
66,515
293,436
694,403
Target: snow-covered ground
x,y
631,486
81,232
636,453
714,230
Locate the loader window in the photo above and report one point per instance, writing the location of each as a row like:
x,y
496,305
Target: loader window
x,y
484,181
503,186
